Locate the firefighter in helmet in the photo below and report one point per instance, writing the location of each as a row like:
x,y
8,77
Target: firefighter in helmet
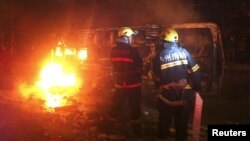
x,y
126,69
177,77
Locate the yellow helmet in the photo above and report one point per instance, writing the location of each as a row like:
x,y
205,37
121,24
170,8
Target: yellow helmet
x,y
125,31
170,35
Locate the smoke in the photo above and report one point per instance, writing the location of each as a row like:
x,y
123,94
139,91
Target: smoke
x,y
40,21
98,13
172,11
141,12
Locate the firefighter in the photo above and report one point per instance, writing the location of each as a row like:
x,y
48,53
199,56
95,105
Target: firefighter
x,y
126,70
178,77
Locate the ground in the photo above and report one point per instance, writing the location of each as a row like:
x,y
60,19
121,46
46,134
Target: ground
x,y
26,121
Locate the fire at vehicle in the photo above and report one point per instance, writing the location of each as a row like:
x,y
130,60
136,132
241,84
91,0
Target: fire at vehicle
x,y
80,78
58,85
59,80
71,70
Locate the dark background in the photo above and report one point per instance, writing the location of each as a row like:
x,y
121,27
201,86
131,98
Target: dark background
x,y
25,24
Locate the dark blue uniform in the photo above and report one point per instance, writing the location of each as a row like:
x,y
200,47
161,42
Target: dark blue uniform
x,y
127,68
175,65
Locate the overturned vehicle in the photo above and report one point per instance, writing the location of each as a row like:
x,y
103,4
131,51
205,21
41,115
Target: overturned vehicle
x,y
203,40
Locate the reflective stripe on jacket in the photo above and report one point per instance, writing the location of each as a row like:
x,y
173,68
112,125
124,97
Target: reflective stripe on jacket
x,y
174,63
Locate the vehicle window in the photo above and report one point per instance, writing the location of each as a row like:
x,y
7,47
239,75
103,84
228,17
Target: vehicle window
x,y
198,41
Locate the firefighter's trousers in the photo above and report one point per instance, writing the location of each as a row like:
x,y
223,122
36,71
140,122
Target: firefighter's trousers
x,y
133,97
178,115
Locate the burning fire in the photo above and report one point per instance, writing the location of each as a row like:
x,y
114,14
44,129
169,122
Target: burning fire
x,y
57,85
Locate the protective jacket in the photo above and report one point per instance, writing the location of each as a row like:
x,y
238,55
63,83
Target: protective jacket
x,y
127,66
173,64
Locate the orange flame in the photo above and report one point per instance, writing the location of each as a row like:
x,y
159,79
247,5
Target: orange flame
x,y
57,85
